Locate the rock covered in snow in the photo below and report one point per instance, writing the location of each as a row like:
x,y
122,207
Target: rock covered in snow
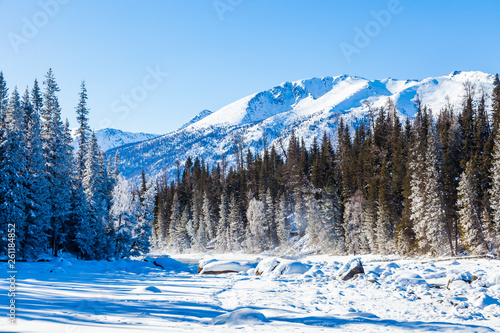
x,y
278,266
350,269
222,267
203,262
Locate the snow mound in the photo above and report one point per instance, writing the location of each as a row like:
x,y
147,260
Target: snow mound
x,y
485,300
148,289
408,278
240,317
221,267
494,278
278,266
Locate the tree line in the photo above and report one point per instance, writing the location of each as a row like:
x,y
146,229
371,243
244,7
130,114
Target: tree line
x,y
60,200
428,186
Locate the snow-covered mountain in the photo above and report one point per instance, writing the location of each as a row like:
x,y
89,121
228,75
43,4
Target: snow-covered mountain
x,y
309,107
109,138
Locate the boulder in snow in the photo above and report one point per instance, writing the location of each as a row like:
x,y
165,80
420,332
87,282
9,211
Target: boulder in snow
x,y
279,266
203,262
350,269
222,267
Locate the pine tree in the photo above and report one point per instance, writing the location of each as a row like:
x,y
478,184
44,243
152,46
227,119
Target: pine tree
x,y
257,237
495,188
95,192
14,170
123,215
385,215
353,224
37,215
236,227
282,223
57,162
431,229
222,244
82,112
141,232
175,217
470,224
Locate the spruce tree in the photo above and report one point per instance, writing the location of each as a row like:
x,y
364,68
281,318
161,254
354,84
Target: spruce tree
x,y
14,192
37,214
57,162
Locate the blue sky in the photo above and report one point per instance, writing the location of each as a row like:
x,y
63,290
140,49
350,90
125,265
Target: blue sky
x,y
217,51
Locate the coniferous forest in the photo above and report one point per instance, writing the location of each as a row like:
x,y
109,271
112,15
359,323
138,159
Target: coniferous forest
x,y
429,185
54,199
426,186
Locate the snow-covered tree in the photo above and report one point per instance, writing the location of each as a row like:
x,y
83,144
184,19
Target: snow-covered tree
x,y
257,239
142,230
222,243
58,170
236,230
82,112
430,230
495,187
123,214
37,214
353,224
14,170
282,223
470,224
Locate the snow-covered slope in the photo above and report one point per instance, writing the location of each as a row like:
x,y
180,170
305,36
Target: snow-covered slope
x,y
111,138
308,107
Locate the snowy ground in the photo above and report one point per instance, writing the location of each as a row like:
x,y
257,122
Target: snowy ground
x,y
399,295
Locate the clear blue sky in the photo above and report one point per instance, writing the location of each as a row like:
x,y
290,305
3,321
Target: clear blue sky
x,y
217,51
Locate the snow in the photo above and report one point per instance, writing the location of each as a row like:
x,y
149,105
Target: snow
x,y
396,295
226,266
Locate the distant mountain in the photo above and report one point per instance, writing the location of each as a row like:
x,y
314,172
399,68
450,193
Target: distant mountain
x,y
308,107
109,138
197,118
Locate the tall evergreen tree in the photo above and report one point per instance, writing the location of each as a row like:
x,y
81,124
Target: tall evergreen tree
x,y
470,224
37,214
82,112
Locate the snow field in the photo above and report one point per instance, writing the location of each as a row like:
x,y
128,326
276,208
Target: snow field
x,y
67,295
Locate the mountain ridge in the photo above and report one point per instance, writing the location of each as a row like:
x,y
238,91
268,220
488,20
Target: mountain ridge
x,y
309,107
